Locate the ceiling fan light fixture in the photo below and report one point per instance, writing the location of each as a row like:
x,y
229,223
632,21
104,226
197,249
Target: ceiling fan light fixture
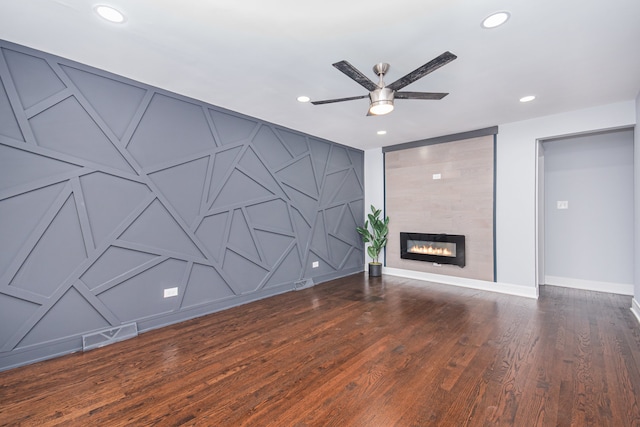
x,y
381,101
381,108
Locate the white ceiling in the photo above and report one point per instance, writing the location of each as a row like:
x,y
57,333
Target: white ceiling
x,y
257,56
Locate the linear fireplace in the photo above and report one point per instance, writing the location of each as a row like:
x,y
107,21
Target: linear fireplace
x,y
437,248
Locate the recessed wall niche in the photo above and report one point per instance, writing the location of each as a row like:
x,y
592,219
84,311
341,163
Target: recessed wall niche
x,y
443,188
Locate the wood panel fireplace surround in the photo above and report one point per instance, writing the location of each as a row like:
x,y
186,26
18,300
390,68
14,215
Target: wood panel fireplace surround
x,y
436,248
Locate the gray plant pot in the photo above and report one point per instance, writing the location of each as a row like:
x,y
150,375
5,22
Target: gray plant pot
x,y
375,269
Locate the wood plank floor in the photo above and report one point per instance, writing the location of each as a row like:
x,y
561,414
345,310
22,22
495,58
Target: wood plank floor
x,y
356,352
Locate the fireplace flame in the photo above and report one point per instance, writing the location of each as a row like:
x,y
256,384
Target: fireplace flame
x,y
430,250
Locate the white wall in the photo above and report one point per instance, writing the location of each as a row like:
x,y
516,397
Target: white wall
x,y
516,230
589,244
373,187
373,179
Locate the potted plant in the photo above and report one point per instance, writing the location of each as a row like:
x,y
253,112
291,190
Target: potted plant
x,y
376,237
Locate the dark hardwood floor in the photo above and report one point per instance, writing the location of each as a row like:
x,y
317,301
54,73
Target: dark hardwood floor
x,y
356,352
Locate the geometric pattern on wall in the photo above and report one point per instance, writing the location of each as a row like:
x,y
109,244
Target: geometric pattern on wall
x,y
111,191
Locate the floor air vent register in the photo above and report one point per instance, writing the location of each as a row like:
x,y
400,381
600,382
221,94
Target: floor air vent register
x,y
109,336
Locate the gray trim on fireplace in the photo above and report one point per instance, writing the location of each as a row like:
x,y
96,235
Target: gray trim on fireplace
x,y
495,180
493,130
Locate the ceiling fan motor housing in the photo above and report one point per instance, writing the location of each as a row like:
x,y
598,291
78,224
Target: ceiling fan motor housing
x,y
381,95
381,101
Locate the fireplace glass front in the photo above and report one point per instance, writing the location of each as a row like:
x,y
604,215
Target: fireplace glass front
x,y
437,248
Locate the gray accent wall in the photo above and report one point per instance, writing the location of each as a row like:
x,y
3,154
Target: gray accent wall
x,y
591,243
112,191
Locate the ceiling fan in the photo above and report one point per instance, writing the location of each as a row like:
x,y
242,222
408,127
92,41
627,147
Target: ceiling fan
x,y
381,96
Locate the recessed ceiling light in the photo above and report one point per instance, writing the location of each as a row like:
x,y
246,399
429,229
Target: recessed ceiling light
x,y
527,98
495,19
110,14
304,99
382,132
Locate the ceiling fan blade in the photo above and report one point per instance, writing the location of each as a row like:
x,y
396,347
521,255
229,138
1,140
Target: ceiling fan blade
x,y
420,72
329,101
420,95
355,74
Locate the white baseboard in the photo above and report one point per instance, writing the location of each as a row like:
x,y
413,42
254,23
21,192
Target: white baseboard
x,y
504,288
635,309
590,285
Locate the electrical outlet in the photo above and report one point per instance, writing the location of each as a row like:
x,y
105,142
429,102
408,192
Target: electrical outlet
x,y
563,204
315,264
170,292
437,176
